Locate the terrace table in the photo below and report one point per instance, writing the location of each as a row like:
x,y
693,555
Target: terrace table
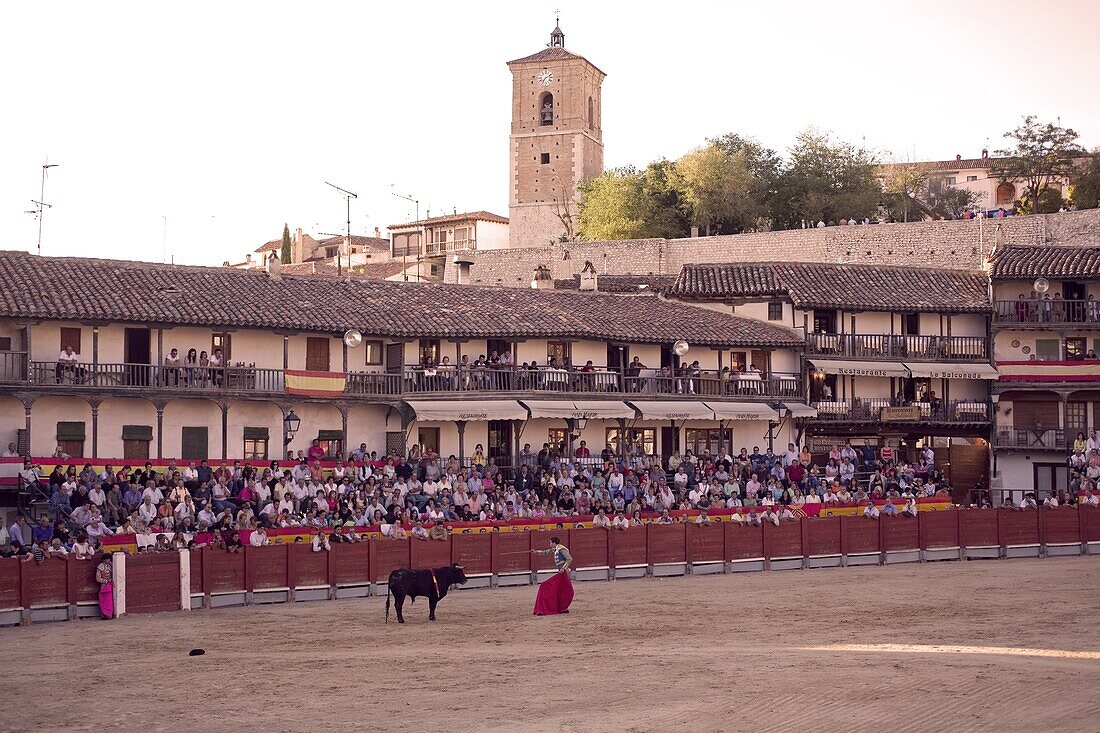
x,y
555,378
834,408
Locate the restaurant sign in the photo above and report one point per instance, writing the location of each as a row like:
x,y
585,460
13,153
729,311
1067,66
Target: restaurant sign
x,y
900,414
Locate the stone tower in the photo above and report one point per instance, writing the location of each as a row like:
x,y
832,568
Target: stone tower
x,y
555,143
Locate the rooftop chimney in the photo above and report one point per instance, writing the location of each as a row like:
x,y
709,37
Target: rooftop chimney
x,y
275,266
985,153
589,278
958,157
542,279
377,233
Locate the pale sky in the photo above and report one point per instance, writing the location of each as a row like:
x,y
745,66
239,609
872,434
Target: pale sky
x,y
228,117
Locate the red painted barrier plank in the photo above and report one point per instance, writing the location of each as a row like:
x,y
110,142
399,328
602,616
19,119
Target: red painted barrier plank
x,y
153,582
224,571
268,565
706,543
430,553
1019,527
353,564
901,533
386,556
939,529
1060,525
512,551
473,552
782,541
82,583
197,584
979,528
1090,521
744,542
48,582
822,535
310,568
860,535
10,596
589,547
667,543
628,547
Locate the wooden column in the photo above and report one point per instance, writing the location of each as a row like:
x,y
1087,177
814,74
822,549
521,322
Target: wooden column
x,y
225,429
95,428
461,425
160,430
95,351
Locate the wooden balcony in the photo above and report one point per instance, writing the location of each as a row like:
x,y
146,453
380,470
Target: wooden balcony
x,y
886,410
15,370
1053,313
885,346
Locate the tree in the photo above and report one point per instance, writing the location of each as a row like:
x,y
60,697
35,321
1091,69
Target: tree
x,y
825,181
714,186
1043,152
1086,183
629,204
945,201
284,252
765,166
903,183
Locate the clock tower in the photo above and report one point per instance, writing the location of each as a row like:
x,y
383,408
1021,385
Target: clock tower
x,y
555,143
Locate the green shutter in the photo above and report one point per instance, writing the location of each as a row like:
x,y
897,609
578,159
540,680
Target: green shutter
x,y
137,432
194,444
1048,349
255,433
70,431
330,435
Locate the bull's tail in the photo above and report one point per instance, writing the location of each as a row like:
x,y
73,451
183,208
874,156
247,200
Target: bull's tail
x,y
388,602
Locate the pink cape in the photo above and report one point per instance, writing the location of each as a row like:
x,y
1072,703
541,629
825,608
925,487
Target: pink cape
x,y
107,600
554,595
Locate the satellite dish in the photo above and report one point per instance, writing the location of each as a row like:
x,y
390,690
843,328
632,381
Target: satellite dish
x,y
352,338
1042,285
680,348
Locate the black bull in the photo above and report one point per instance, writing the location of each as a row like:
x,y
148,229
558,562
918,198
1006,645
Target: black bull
x,y
433,584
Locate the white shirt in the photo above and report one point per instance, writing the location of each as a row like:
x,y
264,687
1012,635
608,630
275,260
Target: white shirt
x,y
320,543
259,539
66,357
871,511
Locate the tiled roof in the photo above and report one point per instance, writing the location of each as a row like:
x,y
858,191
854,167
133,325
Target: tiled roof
x,y
323,268
367,243
852,287
57,288
551,53
268,246
478,215
622,283
1053,261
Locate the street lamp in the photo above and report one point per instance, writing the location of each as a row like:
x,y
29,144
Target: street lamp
x,y
291,423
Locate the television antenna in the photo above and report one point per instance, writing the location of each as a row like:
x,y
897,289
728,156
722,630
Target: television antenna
x,y
347,241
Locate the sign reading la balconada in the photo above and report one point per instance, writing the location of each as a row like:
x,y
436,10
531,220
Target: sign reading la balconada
x,y
900,414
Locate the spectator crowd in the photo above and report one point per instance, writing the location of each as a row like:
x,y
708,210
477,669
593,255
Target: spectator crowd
x,y
419,495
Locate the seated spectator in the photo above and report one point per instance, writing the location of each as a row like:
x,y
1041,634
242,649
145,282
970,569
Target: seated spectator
x,y
703,520
888,508
871,510
910,509
259,538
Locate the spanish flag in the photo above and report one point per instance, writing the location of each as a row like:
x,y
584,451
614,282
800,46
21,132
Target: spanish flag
x,y
314,384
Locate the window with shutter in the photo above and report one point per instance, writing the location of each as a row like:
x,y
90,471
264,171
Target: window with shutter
x,y
1048,349
194,443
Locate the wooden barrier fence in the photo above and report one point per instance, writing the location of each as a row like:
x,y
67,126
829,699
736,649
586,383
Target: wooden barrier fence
x,y
59,589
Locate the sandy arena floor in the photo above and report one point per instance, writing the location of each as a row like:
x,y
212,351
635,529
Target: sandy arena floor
x,y
634,655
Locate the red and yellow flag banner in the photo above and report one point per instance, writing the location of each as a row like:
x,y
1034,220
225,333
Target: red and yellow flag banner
x,y
314,384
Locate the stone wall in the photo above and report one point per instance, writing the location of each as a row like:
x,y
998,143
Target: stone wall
x,y
946,244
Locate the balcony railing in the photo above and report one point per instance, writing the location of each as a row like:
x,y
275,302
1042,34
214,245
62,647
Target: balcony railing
x,y
455,245
1050,438
892,411
885,346
411,380
1053,312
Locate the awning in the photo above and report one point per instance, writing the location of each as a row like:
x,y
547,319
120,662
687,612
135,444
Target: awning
x,y
953,370
579,409
473,410
797,409
607,409
672,410
862,368
144,432
70,431
743,411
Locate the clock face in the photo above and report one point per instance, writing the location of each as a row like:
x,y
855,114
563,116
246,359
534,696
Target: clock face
x,y
546,77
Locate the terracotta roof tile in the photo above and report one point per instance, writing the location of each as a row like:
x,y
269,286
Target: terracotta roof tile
x,y
853,287
1055,261
57,288
633,284
477,215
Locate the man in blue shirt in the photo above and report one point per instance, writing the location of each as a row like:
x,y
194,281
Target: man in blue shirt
x,y
43,532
